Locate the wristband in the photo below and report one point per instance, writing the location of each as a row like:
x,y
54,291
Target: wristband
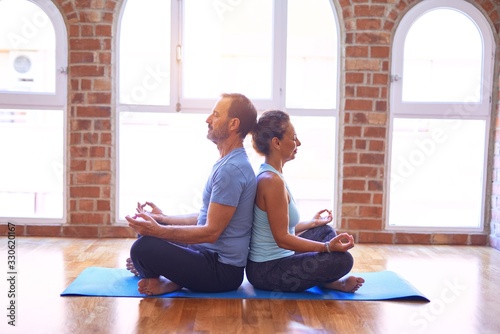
x,y
327,245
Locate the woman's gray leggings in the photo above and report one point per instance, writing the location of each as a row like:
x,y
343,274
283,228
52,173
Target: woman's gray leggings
x,y
301,271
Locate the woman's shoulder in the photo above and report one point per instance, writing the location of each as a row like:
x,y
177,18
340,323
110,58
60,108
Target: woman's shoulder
x,y
268,178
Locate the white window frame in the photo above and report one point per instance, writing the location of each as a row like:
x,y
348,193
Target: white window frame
x,y
197,106
430,110
414,109
19,100
202,105
45,101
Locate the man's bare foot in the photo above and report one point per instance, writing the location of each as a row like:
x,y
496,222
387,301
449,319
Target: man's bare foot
x,y
157,286
130,267
346,284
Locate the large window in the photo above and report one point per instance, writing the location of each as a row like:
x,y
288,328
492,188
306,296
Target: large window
x,y
227,49
440,107
32,95
176,60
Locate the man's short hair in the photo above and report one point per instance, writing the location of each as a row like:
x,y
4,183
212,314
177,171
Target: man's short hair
x,y
244,110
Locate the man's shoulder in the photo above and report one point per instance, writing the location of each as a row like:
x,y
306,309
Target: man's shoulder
x,y
236,170
237,153
237,158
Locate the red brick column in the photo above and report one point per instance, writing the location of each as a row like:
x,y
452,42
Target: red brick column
x,y
364,119
91,118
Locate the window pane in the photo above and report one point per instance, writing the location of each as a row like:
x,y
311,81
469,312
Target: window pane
x,y
145,53
227,47
437,173
31,172
311,175
442,62
175,160
311,74
27,48
164,158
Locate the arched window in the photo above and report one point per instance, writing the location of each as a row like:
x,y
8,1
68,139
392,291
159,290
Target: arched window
x,y
440,112
174,62
32,110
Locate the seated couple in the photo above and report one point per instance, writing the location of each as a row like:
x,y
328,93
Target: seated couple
x,y
208,251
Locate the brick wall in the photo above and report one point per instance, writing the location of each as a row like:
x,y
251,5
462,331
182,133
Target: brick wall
x,y
367,29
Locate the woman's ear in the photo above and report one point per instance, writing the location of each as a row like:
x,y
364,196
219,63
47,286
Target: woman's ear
x,y
275,142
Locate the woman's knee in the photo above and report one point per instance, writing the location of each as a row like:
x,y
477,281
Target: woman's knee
x,y
319,233
347,261
341,261
328,230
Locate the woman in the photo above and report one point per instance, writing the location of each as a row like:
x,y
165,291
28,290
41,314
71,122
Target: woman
x,y
285,254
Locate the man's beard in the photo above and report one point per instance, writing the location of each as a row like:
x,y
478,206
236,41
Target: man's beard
x,y
220,134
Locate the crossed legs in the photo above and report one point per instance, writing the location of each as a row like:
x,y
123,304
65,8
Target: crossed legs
x,y
166,267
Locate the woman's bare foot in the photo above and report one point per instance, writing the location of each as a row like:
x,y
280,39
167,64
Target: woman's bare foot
x,y
157,286
346,284
130,267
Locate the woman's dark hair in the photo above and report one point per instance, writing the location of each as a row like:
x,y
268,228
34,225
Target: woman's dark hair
x,y
272,123
243,109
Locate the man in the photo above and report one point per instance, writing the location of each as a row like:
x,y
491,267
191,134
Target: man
x,y
205,251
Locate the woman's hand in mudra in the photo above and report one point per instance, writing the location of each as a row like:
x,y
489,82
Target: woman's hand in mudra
x,y
319,219
342,242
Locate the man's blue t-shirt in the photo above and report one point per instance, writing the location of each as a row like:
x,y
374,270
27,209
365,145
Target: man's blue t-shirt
x,y
231,182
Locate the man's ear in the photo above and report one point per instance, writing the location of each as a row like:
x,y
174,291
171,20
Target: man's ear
x,y
234,124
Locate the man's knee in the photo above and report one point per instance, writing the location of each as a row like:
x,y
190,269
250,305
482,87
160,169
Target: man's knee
x,y
140,246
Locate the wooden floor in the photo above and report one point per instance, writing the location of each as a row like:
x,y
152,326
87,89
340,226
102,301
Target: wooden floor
x,y
463,284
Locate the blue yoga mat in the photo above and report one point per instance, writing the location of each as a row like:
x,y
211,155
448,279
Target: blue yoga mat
x,y
114,282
